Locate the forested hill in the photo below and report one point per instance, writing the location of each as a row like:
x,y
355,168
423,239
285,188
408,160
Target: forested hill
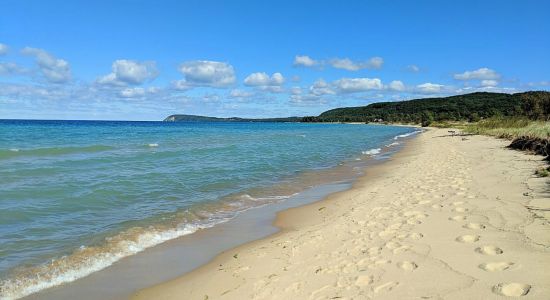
x,y
470,107
194,118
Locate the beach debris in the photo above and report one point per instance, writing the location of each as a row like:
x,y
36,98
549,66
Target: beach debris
x,y
236,255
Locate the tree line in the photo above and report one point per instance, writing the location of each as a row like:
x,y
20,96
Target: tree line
x,y
469,107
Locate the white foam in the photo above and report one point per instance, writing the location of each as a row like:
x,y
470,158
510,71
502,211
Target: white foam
x,y
406,134
18,287
372,151
153,145
392,144
65,270
14,150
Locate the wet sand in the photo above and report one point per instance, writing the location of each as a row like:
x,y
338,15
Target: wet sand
x,y
444,218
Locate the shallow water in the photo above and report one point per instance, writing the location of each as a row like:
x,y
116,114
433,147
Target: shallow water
x,y
77,196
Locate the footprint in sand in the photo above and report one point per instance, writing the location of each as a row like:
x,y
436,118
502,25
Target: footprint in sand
x,y
363,280
460,209
489,250
496,266
475,226
416,235
386,287
407,265
414,222
513,289
457,218
468,238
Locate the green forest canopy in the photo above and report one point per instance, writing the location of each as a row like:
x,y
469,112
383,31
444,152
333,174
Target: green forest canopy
x,y
468,107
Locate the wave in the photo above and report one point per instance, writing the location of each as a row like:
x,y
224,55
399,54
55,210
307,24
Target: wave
x,y
87,260
392,144
372,151
406,134
52,151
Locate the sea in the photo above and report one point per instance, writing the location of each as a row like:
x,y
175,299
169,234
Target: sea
x,y
78,196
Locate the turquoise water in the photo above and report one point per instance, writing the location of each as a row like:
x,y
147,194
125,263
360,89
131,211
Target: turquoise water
x,y
76,196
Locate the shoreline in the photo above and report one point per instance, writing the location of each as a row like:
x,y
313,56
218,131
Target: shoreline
x,y
383,254
124,268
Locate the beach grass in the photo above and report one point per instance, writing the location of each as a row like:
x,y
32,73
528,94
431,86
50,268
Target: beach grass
x,y
510,128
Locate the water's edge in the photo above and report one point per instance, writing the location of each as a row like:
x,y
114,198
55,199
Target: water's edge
x,y
176,257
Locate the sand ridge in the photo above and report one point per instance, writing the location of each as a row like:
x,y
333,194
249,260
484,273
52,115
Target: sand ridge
x,y
447,218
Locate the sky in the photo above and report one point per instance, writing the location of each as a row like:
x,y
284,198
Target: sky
x,y
145,60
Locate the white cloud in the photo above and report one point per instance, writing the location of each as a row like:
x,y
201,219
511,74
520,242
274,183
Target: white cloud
x,y
306,100
429,88
138,92
236,93
181,85
295,90
3,49
413,68
480,74
304,61
204,73
348,64
489,82
353,85
262,79
132,92
396,85
540,83
211,98
55,70
126,72
320,88
9,68
339,63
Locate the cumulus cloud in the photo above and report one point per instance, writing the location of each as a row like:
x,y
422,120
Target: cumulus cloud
x,y
489,82
3,49
479,74
396,85
55,70
429,88
348,64
129,72
304,61
320,88
262,79
204,73
353,85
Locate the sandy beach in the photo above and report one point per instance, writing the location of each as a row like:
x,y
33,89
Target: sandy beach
x,y
446,218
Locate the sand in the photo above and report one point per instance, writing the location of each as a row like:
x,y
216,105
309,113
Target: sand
x,y
445,218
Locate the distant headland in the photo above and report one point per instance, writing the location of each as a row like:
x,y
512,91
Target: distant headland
x,y
468,107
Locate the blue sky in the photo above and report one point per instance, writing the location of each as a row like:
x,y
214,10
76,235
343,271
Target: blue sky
x,y
144,60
